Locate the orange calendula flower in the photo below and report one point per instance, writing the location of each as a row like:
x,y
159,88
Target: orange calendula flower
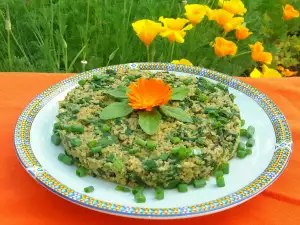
x,y
175,29
280,68
289,12
259,55
242,33
235,7
182,62
225,19
195,12
148,93
146,30
224,47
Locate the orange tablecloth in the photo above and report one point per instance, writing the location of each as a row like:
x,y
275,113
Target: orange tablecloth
x,y
24,201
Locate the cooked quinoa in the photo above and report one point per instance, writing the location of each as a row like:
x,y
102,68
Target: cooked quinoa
x,y
209,141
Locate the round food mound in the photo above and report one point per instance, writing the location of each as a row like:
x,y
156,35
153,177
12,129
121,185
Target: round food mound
x,y
119,150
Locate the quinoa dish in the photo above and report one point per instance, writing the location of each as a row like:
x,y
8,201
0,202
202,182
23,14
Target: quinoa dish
x,y
137,128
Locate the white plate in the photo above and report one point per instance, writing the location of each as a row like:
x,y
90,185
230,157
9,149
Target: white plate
x,y
247,177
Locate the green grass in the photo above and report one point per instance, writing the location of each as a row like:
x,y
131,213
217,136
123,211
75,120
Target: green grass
x,y
56,35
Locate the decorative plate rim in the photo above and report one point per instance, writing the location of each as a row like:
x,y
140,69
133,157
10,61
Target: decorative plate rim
x,y
282,152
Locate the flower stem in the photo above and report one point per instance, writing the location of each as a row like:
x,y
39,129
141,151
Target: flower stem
x,y
172,51
9,51
148,54
244,53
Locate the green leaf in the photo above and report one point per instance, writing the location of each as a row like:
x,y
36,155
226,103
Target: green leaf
x,y
176,113
116,110
117,93
179,93
149,121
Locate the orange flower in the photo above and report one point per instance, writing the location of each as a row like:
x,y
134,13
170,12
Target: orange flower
x,y
286,72
225,19
195,12
146,30
174,29
224,47
242,33
233,6
280,68
259,55
148,93
289,73
289,12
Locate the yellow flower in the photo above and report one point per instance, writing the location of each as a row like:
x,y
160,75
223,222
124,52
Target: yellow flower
x,y
146,30
174,29
259,55
225,19
235,7
266,73
289,12
256,73
224,47
182,62
195,12
242,33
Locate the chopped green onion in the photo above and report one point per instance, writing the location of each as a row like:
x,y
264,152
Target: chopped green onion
x,y
97,149
210,110
150,165
118,165
89,189
250,142
243,122
220,181
61,156
140,142
65,159
250,131
182,153
182,188
77,129
197,92
105,128
92,144
221,86
199,183
241,154
241,146
150,145
75,142
82,82
225,167
164,157
159,193
81,172
57,126
203,98
133,151
175,150
187,81
172,184
122,188
219,173
175,140
55,139
139,197
243,133
249,151
137,189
